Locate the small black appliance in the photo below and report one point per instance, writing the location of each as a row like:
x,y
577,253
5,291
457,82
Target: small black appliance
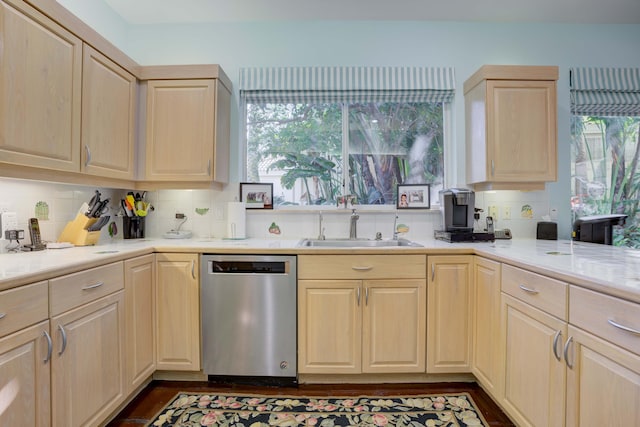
x,y
597,228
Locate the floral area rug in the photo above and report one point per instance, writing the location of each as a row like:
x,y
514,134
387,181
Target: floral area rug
x,y
234,410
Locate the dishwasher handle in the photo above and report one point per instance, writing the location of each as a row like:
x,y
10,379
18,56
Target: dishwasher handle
x,y
248,268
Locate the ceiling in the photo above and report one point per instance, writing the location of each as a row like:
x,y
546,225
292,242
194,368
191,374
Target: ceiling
x,y
540,11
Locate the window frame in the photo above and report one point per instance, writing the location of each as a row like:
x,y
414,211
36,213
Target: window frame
x,y
449,164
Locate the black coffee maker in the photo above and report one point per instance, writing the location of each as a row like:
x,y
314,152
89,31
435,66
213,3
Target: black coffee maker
x,y
458,208
597,228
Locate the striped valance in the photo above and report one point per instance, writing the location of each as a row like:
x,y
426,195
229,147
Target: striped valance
x,y
605,91
346,84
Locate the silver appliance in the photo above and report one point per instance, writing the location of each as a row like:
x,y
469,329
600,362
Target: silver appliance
x,y
249,316
457,209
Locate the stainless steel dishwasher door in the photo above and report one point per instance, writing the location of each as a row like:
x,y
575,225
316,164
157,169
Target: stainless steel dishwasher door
x,y
249,315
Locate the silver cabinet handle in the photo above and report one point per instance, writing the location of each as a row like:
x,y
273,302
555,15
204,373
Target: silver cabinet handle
x,y
493,168
2,315
95,285
64,340
49,346
193,269
366,296
88,158
209,167
556,338
358,296
363,268
529,290
433,272
566,353
624,328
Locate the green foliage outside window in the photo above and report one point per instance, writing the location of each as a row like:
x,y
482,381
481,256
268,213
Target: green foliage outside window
x,y
303,147
606,178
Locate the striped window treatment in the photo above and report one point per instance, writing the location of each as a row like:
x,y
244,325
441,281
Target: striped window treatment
x,y
346,84
605,91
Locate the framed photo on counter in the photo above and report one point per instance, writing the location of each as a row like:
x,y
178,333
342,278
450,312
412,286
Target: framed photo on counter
x,y
256,195
414,196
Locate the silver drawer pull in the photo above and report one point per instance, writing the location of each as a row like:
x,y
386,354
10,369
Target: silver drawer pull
x,y
567,345
624,328
363,268
528,290
95,285
556,338
64,339
2,315
49,346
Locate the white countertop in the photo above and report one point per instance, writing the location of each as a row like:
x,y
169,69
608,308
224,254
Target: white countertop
x,y
613,270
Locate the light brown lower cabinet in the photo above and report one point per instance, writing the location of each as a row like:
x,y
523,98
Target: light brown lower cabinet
x,y
25,365
140,360
449,313
353,318
87,377
177,312
487,359
534,388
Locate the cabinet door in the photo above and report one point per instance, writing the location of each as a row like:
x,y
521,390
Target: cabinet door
x,y
521,130
534,392
108,117
449,313
25,377
394,325
139,299
487,361
177,312
88,362
329,326
40,80
603,383
180,130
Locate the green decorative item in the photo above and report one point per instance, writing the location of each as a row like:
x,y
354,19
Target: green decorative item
x,y
202,211
402,228
526,211
42,211
274,229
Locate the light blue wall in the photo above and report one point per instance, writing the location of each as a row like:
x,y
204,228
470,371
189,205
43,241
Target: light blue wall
x,y
99,16
465,46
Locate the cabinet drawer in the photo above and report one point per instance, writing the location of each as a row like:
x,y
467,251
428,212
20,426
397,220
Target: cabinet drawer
x,y
362,266
80,288
23,306
598,313
539,291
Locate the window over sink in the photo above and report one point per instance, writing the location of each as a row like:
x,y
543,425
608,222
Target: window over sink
x,y
321,133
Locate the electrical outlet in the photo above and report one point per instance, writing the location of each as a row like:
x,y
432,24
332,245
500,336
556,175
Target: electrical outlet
x,y
8,221
506,214
493,212
218,212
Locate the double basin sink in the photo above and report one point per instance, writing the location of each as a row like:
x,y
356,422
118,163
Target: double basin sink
x,y
355,243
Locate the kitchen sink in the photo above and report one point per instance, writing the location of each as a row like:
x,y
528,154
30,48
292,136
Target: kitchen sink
x,y
355,243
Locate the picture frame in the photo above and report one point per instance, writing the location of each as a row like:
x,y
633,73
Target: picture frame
x,y
256,195
413,196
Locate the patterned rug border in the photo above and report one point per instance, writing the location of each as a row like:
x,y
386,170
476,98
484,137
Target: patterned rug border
x,y
372,397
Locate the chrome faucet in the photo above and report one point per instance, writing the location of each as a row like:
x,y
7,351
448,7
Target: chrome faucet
x,y
320,228
353,226
395,226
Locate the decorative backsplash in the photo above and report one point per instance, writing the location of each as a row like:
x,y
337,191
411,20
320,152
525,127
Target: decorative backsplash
x,y
205,211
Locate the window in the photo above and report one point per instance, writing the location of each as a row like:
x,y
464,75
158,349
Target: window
x,y
605,155
317,145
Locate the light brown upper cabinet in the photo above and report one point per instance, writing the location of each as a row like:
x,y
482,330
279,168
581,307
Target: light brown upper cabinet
x,y
108,117
186,111
511,127
40,83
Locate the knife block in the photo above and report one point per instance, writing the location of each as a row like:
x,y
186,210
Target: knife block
x,y
75,231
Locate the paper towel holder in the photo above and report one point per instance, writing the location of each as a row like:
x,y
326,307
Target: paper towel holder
x,y
257,195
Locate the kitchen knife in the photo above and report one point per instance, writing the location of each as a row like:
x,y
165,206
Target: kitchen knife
x,y
96,226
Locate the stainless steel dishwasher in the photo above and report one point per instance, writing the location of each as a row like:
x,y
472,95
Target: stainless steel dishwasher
x,y
249,316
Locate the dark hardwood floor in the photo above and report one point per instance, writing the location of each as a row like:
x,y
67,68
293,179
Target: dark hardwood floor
x,y
153,398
